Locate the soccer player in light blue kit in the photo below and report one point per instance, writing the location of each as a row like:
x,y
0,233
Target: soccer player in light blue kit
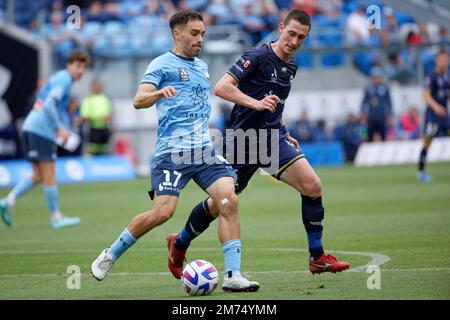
x,y
178,83
47,122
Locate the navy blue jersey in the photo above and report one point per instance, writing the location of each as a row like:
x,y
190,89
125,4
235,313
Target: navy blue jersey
x,y
377,102
439,86
259,73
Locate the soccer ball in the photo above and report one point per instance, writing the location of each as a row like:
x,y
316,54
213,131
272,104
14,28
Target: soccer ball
x,y
199,278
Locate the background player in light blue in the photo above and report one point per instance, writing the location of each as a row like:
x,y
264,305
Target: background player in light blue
x,y
47,122
178,83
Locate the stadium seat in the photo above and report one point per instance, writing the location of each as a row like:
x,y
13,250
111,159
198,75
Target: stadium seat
x,y
113,27
331,40
92,28
403,17
305,59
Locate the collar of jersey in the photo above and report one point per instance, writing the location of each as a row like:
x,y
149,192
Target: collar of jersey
x,y
271,50
184,58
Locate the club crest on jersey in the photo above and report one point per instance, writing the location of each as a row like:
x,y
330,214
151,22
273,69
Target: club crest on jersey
x,y
184,76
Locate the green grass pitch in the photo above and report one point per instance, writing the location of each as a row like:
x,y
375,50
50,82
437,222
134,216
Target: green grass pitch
x,y
378,212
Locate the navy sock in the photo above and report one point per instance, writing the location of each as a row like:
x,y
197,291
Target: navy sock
x,y
198,221
312,216
422,159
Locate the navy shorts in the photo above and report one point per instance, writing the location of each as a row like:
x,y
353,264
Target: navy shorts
x,y
287,155
169,177
435,128
38,148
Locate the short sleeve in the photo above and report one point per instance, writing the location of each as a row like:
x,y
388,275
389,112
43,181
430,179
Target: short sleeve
x,y
154,73
245,66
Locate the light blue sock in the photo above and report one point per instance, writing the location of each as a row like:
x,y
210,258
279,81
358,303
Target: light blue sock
x,y
122,244
232,252
22,187
51,195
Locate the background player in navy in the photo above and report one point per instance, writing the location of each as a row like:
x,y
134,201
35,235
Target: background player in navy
x,y
436,94
376,105
178,82
47,121
258,84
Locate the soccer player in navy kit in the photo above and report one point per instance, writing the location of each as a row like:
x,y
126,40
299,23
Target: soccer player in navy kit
x,y
178,82
436,94
259,83
47,121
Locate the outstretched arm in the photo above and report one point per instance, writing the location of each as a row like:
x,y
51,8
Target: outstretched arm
x,y
227,89
147,95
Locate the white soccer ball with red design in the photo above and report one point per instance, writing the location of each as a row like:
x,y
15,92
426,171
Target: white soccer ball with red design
x,y
199,278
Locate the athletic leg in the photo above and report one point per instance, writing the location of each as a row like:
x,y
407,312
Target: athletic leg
x,y
222,193
421,175
301,176
163,209
57,220
23,186
199,220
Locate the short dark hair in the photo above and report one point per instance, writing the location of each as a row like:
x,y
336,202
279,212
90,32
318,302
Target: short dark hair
x,y
299,16
79,56
183,17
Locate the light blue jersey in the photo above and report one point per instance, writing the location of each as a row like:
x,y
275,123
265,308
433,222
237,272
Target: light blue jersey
x,y
182,119
50,111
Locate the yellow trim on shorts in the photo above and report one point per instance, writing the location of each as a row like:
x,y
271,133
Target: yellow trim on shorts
x,y
280,171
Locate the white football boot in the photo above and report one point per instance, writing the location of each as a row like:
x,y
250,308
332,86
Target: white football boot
x,y
237,283
102,264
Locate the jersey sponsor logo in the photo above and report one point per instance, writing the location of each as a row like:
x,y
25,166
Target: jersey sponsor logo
x,y
247,64
196,115
237,67
184,76
199,96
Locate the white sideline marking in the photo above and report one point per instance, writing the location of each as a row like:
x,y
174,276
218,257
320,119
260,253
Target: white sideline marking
x,y
147,274
377,259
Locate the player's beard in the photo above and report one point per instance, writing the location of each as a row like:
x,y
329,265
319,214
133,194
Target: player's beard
x,y
196,50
